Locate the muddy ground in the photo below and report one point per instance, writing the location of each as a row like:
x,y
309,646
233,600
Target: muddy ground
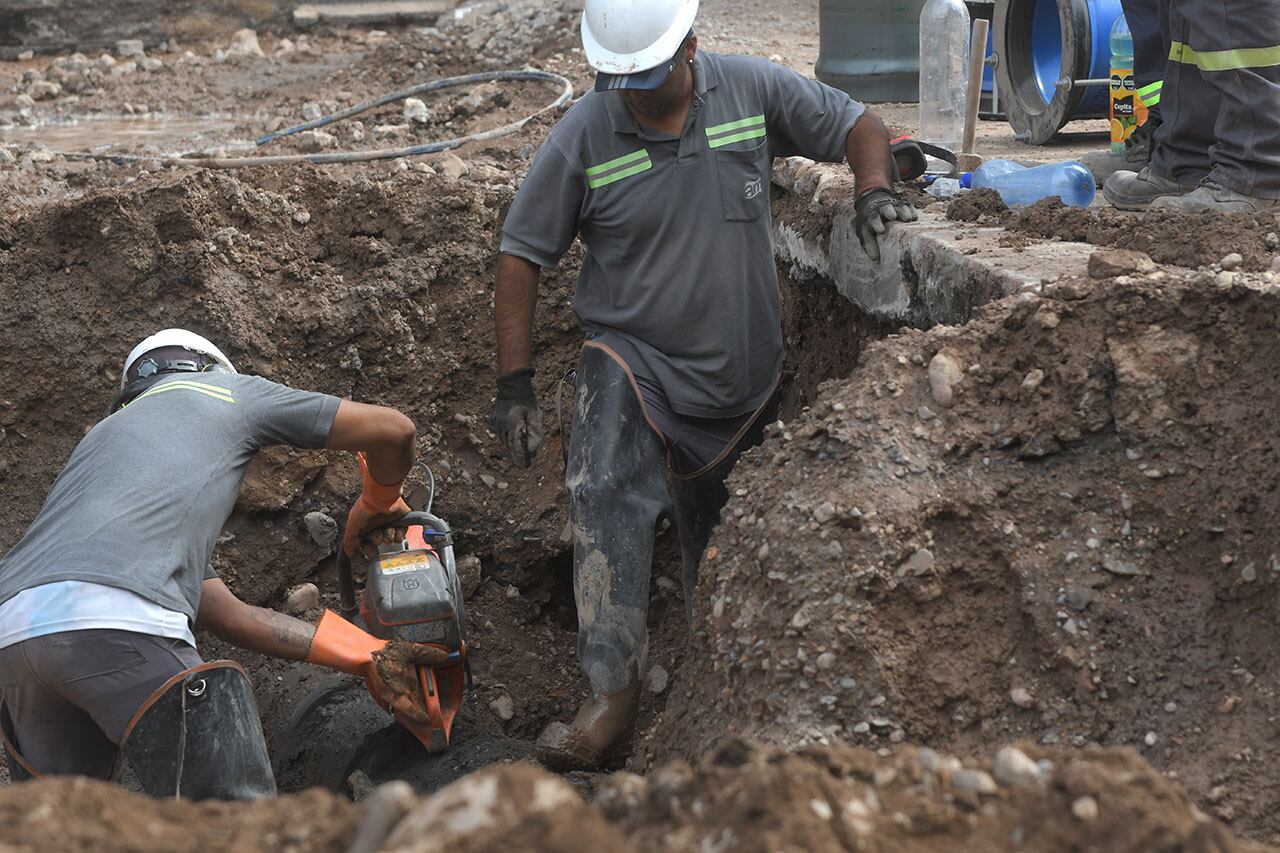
x,y
1048,527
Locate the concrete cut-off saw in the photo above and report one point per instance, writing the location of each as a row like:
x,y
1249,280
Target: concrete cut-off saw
x,y
412,593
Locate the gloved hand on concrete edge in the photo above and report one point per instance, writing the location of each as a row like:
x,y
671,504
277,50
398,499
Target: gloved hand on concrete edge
x,y
873,211
377,505
516,418
342,646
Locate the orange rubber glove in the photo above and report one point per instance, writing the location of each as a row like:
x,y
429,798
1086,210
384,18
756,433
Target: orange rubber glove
x,y
342,646
377,505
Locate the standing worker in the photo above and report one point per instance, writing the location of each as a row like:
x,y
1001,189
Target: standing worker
x,y
99,598
1218,146
664,170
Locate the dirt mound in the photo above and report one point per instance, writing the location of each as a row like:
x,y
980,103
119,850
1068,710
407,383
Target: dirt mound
x,y
739,797
978,205
1183,239
74,814
1034,526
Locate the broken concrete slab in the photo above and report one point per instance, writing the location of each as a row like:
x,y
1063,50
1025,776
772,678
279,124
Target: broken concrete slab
x,y
931,271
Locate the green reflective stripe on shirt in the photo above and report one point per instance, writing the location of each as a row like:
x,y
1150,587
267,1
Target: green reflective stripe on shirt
x,y
735,125
596,171
737,137
199,387
1150,94
619,168
1225,60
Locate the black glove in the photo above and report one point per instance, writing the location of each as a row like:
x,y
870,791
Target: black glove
x,y
516,418
873,211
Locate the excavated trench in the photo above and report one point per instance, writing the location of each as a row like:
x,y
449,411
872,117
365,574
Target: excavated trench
x,y
372,285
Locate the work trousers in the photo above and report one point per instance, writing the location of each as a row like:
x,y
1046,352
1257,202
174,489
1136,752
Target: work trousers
x,y
1221,96
68,696
620,484
1149,23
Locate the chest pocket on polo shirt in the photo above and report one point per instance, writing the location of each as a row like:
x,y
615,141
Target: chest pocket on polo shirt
x,y
742,161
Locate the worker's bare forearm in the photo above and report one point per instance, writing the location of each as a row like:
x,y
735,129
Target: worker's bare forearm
x,y
867,150
514,299
387,437
254,628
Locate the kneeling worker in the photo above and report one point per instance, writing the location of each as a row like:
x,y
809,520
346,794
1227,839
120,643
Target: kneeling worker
x,y
99,597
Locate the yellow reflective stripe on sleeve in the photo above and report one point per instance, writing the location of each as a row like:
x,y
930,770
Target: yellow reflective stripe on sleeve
x,y
1150,94
185,385
619,168
1225,60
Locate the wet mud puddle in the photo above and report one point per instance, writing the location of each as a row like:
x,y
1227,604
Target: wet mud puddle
x,y
159,133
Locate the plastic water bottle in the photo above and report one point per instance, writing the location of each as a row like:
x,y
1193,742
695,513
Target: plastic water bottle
x,y
944,71
992,169
945,188
1124,98
1070,181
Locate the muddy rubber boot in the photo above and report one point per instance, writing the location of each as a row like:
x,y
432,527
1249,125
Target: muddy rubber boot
x,y
600,731
1137,190
1212,195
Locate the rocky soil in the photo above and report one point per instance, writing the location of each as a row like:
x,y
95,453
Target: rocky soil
x,y
1047,528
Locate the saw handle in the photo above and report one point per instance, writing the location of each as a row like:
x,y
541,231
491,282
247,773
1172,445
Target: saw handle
x,y
433,527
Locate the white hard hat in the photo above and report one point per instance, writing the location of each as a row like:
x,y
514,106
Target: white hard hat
x,y
624,37
176,338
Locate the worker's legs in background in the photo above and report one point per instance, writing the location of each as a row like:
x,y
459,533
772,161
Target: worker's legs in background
x,y
617,480
1149,23
1221,101
70,695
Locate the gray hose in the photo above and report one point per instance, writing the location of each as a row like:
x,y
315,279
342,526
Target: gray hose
x,y
566,94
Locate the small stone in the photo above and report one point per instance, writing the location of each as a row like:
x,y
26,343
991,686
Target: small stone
x,y
301,217
1022,697
945,374
388,131
302,599
921,562
1228,705
131,48
1111,263
105,61
1150,739
657,679
6,156
451,166
124,69
245,43
826,660
416,110
762,553
322,529
26,55
1224,279
489,480
1014,769
824,512
1077,597
1120,567
862,728
24,102
44,90
1232,261
1085,808
974,781
1033,380
929,760
150,64
284,47
1249,573
311,111
1275,264
1170,707
311,141
503,707
306,16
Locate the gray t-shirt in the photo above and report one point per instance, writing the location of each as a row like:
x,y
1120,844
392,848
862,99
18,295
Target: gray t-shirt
x,y
679,276
142,500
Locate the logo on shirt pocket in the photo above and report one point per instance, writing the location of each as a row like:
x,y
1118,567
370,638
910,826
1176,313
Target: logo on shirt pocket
x,y
753,188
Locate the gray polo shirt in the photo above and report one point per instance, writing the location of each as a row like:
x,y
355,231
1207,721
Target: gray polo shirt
x,y
142,499
679,276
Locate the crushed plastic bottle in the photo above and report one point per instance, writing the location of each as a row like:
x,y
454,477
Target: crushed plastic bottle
x,y
1069,180
945,188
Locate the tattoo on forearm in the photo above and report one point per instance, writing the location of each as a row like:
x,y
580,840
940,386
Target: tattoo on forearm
x,y
292,637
